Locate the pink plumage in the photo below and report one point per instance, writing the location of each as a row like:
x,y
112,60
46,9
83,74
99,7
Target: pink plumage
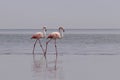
x,y
38,36
54,36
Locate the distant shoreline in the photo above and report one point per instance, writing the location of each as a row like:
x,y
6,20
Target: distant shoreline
x,y
70,29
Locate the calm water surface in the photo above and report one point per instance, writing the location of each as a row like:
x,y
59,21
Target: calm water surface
x,y
75,41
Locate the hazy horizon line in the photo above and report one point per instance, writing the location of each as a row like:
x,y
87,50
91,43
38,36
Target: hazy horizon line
x,y
56,28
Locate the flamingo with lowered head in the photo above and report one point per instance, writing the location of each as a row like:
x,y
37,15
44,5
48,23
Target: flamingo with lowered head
x,y
54,36
38,36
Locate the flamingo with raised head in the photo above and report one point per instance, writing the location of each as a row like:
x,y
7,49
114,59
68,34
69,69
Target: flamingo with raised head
x,y
54,36
38,36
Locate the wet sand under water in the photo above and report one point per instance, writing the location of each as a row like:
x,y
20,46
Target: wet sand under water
x,y
27,67
69,67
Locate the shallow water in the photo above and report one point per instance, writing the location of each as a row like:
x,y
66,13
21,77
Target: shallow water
x,y
92,42
69,67
25,67
75,41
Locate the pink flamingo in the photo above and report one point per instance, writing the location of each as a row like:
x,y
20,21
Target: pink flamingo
x,y
54,36
38,36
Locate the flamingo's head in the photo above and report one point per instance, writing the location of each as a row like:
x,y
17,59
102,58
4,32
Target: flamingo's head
x,y
45,28
61,28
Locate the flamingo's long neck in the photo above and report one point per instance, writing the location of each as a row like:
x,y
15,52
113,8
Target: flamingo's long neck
x,y
61,32
44,32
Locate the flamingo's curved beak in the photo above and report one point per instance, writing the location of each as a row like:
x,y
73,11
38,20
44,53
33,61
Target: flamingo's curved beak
x,y
63,30
45,29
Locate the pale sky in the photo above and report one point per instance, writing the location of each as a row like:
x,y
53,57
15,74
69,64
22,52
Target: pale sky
x,y
52,13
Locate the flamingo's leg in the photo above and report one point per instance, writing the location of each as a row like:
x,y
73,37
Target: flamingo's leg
x,y
56,54
34,46
41,45
46,50
46,46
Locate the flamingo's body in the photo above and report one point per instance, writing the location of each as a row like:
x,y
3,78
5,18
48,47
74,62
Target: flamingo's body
x,y
54,36
38,36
